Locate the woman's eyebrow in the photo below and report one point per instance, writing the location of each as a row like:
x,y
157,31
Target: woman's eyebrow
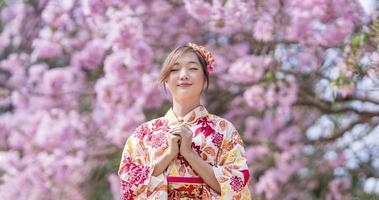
x,y
192,62
189,62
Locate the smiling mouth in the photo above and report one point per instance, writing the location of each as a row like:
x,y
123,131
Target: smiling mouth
x,y
184,85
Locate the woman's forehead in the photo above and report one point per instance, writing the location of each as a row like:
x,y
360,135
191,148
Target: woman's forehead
x,y
187,57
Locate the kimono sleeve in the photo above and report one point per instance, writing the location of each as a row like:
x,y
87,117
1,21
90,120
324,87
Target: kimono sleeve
x,y
231,170
135,169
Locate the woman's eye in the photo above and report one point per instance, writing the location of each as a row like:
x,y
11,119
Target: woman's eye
x,y
173,70
193,68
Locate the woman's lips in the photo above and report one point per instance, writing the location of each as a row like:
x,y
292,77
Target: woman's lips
x,y
184,85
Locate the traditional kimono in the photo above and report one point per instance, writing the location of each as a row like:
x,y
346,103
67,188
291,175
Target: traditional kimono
x,y
215,140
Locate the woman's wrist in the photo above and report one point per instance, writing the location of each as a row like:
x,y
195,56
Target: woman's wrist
x,y
162,162
171,153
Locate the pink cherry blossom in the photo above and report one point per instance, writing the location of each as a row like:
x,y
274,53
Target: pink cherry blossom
x,y
264,29
46,49
91,56
254,97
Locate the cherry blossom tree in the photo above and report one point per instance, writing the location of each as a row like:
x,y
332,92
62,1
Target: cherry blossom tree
x,y
298,78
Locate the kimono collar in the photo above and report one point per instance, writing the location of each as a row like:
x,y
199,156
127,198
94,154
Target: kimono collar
x,y
189,118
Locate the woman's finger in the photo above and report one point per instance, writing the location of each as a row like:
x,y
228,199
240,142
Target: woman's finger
x,y
178,133
175,129
174,133
175,126
185,127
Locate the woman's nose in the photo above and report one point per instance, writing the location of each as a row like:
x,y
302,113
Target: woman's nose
x,y
183,74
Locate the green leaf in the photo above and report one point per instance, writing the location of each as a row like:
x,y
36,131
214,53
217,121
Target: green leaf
x,y
355,42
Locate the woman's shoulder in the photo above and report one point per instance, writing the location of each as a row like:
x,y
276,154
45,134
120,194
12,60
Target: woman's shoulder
x,y
228,129
155,121
152,124
222,122
219,119
147,128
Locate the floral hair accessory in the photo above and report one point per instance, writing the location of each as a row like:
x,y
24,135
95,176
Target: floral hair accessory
x,y
206,55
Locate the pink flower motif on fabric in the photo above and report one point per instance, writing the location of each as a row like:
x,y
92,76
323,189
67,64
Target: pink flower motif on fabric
x,y
127,192
157,140
137,174
236,183
142,131
160,124
217,139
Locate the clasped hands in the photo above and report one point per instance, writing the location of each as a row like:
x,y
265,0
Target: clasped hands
x,y
180,140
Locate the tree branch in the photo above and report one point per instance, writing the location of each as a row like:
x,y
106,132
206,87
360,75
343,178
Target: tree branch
x,y
104,152
341,132
358,98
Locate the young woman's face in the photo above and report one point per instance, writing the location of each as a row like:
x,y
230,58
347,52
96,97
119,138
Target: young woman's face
x,y
186,78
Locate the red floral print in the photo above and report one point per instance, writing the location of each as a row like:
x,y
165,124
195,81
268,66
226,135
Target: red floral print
x,y
246,176
160,124
137,174
182,160
217,139
157,140
205,127
127,192
142,131
196,148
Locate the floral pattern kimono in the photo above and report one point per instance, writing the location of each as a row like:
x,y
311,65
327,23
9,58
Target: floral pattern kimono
x,y
215,140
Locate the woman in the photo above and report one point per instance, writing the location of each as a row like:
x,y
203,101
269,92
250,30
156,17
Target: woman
x,y
188,153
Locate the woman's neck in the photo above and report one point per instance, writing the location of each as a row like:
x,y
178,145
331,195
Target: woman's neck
x,y
181,108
